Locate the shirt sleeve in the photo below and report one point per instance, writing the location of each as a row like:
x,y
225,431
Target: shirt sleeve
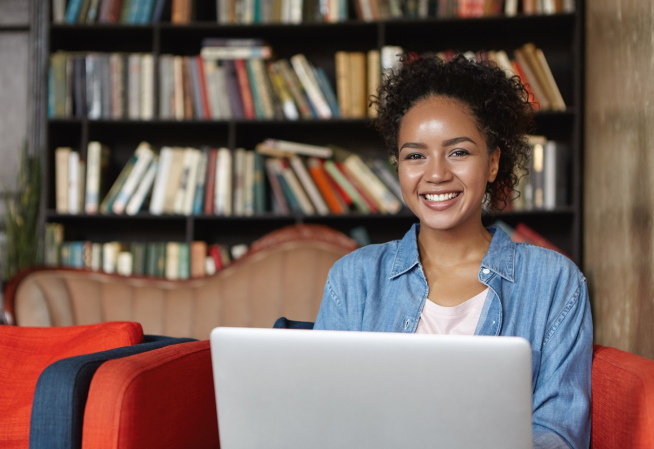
x,y
331,315
561,416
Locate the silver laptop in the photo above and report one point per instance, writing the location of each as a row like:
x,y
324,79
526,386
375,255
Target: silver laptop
x,y
278,388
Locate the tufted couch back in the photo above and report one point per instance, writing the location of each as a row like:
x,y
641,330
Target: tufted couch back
x,y
283,274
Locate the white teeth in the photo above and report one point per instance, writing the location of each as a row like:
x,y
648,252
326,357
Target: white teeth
x,y
441,197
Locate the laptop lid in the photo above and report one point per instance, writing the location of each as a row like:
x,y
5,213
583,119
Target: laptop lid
x,y
278,388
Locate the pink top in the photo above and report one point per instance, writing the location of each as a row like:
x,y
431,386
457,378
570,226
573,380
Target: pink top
x,y
457,320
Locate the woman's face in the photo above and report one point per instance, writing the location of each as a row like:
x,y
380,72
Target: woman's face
x,y
444,164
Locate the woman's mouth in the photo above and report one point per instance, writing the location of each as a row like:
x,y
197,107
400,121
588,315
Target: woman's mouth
x,y
436,198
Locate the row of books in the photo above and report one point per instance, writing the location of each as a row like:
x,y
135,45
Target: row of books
x,y
223,82
140,12
170,260
280,177
230,79
545,186
530,64
483,8
101,85
132,12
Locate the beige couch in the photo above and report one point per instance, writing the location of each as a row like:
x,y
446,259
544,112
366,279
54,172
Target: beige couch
x,y
283,274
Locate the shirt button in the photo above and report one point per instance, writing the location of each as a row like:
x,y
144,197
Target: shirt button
x,y
485,271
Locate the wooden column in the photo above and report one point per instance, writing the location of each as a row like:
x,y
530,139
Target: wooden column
x,y
619,172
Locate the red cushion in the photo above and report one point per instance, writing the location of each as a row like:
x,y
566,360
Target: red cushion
x,y
162,398
623,400
26,351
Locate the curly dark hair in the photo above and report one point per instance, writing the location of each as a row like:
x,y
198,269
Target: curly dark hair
x,y
499,104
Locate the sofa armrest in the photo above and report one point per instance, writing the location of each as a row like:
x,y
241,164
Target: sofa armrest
x,y
623,400
162,398
62,390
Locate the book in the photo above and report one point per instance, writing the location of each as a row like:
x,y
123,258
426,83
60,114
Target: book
x,y
245,90
259,184
172,261
525,68
346,186
327,91
321,179
537,175
358,187
282,91
358,91
181,12
555,167
191,181
276,187
143,156
174,179
200,185
239,181
73,181
234,52
303,149
343,83
386,176
184,261
97,157
134,86
138,258
145,186
308,185
291,80
110,252
210,183
370,184
124,263
374,78
198,256
309,83
248,184
73,11
147,86
62,164
159,188
223,190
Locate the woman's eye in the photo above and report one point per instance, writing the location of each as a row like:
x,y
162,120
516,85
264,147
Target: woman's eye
x,y
414,156
460,153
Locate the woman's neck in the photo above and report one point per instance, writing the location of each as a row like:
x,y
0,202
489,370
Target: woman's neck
x,y
453,246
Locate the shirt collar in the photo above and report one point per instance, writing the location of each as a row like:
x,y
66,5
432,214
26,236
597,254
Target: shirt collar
x,y
499,258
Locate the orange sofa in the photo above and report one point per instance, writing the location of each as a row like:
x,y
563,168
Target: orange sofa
x,y
623,400
622,408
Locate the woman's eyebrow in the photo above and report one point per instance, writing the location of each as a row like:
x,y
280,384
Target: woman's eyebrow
x,y
455,140
414,145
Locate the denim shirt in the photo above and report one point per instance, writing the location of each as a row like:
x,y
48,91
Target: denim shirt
x,y
534,293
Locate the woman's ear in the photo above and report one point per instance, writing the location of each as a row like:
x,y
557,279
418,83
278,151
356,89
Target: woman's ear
x,y
494,164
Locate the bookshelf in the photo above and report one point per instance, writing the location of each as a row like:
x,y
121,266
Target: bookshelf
x,y
560,37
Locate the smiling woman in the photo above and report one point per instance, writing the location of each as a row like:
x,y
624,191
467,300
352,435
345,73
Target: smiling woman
x,y
457,132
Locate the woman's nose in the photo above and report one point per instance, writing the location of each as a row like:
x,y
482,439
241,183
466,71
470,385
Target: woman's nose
x,y
438,170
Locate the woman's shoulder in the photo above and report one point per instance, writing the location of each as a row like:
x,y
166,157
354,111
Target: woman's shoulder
x,y
546,262
369,257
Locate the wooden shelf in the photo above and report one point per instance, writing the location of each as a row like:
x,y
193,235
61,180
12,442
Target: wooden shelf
x,y
561,37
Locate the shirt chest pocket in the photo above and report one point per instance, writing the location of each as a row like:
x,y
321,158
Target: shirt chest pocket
x,y
535,367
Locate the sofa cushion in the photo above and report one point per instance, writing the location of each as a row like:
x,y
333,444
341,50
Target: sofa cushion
x,y
26,351
163,398
623,400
